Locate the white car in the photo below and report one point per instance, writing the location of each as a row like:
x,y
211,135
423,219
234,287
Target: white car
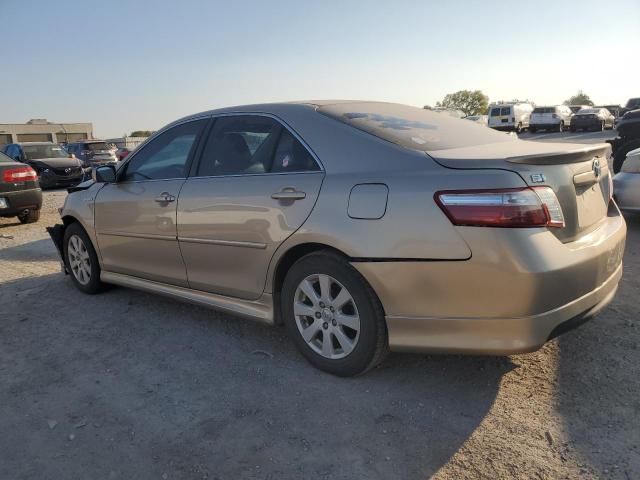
x,y
626,183
556,118
511,116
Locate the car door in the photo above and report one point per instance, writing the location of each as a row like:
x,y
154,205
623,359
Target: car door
x,y
254,185
135,217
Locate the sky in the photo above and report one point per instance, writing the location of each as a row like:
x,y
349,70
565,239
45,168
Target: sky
x,y
137,65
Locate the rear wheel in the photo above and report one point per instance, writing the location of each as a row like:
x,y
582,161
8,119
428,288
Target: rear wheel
x,y
31,216
602,125
81,260
561,126
519,128
333,315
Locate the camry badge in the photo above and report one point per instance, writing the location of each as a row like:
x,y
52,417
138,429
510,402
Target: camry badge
x,y
537,178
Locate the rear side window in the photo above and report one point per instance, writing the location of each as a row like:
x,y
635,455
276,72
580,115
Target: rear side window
x,y
4,158
252,144
414,128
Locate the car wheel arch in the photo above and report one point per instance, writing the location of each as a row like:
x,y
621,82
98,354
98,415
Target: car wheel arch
x,y
287,260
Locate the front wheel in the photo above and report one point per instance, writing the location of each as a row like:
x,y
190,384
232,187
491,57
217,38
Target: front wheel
x,y
602,125
561,127
519,128
333,315
81,260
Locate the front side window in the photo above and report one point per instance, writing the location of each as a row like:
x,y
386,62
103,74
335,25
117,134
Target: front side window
x,y
252,144
165,156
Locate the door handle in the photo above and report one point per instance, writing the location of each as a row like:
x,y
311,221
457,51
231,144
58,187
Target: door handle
x,y
165,197
288,193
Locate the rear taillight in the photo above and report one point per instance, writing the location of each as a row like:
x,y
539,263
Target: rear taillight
x,y
17,175
507,208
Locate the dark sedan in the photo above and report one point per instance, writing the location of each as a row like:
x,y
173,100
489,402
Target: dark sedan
x,y
592,119
20,195
53,165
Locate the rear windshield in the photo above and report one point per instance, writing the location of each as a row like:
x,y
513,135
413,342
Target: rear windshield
x,y
33,152
413,127
497,111
633,102
588,110
544,110
96,146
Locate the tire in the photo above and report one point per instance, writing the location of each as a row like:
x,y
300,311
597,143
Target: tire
x,y
519,128
561,126
620,154
32,216
602,126
365,345
81,260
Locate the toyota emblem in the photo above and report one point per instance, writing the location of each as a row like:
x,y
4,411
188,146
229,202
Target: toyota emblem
x,y
67,170
597,169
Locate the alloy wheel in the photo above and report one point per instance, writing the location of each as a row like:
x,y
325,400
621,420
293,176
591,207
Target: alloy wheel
x,y
326,316
79,260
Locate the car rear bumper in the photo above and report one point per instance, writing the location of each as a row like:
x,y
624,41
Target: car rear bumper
x,y
545,126
509,298
504,127
626,188
588,124
20,201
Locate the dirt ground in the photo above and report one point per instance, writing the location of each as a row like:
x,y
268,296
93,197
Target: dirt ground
x,y
128,385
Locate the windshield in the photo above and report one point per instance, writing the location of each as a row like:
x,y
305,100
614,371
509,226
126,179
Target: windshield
x,y
633,102
544,110
34,152
413,127
96,146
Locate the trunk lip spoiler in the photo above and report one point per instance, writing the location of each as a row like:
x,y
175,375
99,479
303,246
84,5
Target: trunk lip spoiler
x,y
561,158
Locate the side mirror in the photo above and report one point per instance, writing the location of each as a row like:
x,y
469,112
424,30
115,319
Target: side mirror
x,y
104,174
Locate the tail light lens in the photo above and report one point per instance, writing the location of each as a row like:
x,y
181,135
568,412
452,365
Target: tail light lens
x,y
17,175
506,208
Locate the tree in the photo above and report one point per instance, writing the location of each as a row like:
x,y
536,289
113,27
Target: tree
x,y
471,102
579,98
141,133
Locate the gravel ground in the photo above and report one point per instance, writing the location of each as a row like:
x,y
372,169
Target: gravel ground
x,y
129,385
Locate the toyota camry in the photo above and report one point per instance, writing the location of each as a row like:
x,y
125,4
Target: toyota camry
x,y
363,227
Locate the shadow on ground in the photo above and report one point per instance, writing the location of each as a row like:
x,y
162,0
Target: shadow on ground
x,y
598,375
149,386
36,251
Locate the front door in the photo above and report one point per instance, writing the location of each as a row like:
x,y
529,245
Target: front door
x,y
135,218
254,186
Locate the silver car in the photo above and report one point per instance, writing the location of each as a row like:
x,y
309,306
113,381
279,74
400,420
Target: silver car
x,y
362,227
626,184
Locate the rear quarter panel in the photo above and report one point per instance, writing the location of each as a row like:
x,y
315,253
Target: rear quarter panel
x,y
413,226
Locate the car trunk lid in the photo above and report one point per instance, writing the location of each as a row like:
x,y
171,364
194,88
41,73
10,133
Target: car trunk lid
x,y
578,174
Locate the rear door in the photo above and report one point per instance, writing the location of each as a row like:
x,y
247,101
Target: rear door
x,y
255,184
135,218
